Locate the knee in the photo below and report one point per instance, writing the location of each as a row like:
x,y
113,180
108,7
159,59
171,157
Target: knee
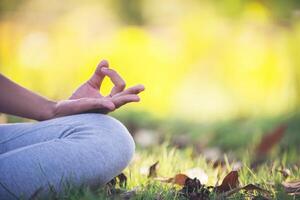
x,y
112,138
115,143
119,137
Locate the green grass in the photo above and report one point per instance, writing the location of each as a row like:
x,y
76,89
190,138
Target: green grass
x,y
236,139
173,161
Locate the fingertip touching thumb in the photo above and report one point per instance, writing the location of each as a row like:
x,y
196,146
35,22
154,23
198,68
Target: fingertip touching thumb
x,y
103,63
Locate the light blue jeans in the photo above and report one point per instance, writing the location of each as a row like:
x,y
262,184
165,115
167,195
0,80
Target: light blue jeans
x,y
83,149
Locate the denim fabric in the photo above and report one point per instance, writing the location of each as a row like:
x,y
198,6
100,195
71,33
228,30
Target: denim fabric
x,y
83,149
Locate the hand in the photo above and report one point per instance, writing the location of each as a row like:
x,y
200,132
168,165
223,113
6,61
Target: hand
x,y
87,97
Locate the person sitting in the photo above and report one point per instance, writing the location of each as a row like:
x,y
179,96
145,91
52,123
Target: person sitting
x,y
73,140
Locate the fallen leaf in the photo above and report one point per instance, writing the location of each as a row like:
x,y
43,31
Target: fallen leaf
x,y
192,184
122,180
153,170
111,185
267,143
292,187
271,139
230,181
112,182
194,190
248,188
198,196
179,179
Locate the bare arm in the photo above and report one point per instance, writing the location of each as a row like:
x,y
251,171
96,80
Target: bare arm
x,y
17,100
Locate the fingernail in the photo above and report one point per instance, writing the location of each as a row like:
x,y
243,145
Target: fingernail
x,y
104,69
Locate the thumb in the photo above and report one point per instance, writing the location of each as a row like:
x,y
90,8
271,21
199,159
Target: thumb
x,y
97,78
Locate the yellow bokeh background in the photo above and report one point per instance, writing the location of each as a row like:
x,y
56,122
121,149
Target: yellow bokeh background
x,y
194,61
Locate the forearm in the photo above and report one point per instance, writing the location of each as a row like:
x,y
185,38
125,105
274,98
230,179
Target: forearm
x,y
16,100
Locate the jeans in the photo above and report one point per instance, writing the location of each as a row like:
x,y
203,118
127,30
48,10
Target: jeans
x,y
83,149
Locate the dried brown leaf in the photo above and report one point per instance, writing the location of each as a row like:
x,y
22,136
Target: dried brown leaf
x,y
194,190
230,181
266,144
270,140
179,179
292,187
112,182
248,188
122,180
251,187
153,170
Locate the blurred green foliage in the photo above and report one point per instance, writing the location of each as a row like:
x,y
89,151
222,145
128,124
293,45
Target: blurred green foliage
x,y
200,60
236,135
130,12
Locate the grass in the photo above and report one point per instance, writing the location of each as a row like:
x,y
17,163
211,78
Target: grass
x,y
173,161
237,137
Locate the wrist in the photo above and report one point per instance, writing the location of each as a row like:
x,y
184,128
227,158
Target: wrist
x,y
48,111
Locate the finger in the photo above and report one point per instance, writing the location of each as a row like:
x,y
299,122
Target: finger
x,y
95,103
86,104
132,90
119,83
122,100
97,78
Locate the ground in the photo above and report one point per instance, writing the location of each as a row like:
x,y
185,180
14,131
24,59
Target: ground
x,y
208,152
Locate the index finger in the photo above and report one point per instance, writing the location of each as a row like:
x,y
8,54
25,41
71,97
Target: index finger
x,y
98,76
119,83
